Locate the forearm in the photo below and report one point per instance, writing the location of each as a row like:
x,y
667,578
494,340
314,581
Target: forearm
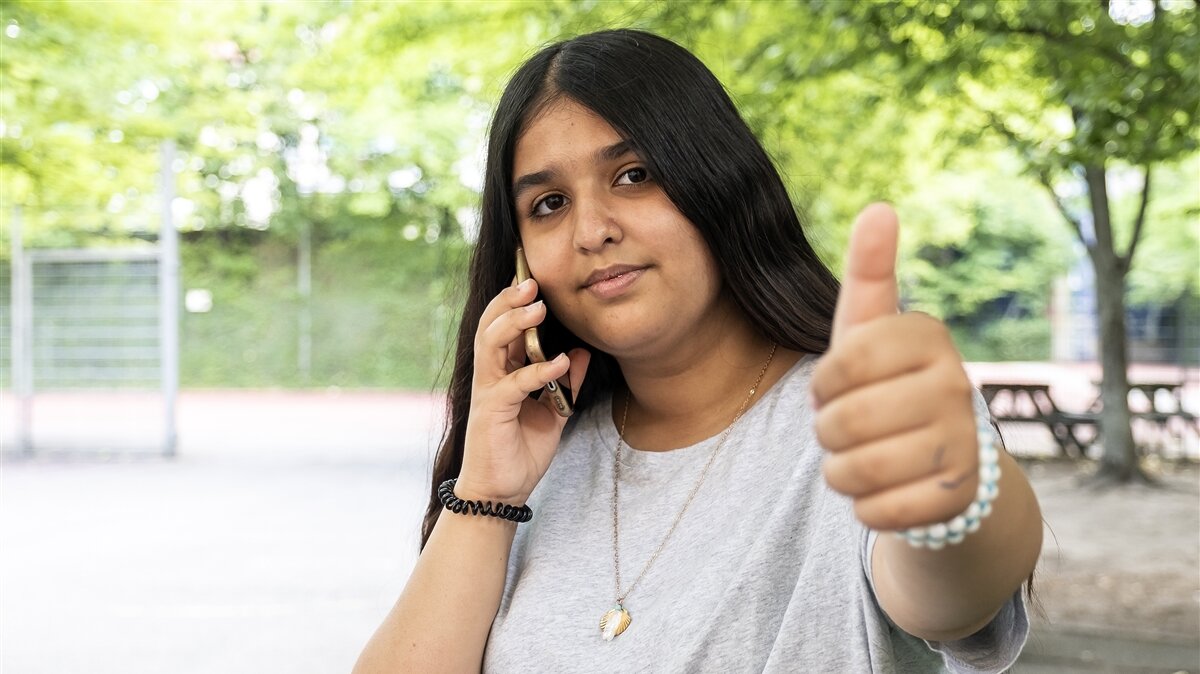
x,y
950,593
442,619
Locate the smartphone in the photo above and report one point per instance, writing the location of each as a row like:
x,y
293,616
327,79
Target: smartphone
x,y
560,390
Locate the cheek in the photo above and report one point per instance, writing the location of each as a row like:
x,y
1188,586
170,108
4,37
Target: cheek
x,y
704,265
550,269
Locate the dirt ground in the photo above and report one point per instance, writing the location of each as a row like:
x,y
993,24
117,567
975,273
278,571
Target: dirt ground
x,y
1123,560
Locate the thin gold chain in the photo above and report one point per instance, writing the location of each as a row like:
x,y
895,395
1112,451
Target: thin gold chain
x,y
617,478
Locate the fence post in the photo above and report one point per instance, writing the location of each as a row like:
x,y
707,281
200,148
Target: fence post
x,y
168,297
21,354
304,289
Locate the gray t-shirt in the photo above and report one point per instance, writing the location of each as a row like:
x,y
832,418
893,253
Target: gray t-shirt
x,y
765,573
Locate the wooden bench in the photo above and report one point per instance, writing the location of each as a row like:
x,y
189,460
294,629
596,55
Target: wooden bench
x,y
1032,404
1160,404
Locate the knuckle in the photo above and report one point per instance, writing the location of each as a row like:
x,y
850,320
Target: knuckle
x,y
961,386
842,367
846,418
508,295
859,408
547,370
956,375
870,469
488,337
948,507
927,326
529,378
498,304
858,361
892,514
923,319
509,321
822,426
867,512
831,470
533,377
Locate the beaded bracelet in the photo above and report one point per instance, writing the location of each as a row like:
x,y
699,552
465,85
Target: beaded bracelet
x,y
504,511
937,536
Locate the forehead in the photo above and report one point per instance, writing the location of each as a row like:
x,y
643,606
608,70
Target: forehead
x,y
563,132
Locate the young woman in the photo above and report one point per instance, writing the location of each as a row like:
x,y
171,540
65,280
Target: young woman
x,y
741,429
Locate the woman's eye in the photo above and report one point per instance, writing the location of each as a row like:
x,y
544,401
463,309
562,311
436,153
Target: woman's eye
x,y
633,176
549,205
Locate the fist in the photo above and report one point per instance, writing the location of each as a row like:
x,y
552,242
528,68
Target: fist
x,y
894,405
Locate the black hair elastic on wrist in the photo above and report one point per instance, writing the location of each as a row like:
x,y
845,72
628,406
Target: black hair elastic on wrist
x,y
504,511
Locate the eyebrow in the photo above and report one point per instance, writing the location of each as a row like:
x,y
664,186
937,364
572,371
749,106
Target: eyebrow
x,y
605,154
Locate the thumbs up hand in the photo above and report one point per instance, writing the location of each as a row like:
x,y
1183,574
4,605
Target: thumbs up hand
x,y
894,405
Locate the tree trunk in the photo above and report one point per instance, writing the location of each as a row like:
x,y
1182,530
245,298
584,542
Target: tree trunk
x,y
1119,460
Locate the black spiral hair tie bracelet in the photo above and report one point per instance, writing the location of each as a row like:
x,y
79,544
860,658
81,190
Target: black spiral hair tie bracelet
x,y
502,510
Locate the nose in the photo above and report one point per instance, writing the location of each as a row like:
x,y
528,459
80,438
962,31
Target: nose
x,y
595,224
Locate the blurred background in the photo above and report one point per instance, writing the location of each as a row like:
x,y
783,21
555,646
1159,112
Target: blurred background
x,y
232,245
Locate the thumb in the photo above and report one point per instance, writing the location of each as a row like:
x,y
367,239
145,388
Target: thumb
x,y
869,287
573,379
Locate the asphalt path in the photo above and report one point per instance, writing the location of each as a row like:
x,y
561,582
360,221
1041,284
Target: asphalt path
x,y
275,541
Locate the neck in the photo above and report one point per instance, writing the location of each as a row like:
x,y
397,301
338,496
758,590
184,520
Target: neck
x,y
694,392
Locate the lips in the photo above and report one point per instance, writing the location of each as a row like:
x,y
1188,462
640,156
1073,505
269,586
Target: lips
x,y
609,273
612,283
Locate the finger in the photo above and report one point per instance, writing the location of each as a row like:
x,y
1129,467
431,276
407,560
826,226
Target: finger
x,y
518,385
892,461
516,295
515,354
494,350
869,286
580,359
916,504
885,348
516,348
890,407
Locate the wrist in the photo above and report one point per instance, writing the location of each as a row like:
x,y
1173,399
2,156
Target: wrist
x,y
954,531
481,507
470,491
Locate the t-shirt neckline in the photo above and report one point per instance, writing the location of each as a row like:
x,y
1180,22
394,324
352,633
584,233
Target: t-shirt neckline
x,y
631,456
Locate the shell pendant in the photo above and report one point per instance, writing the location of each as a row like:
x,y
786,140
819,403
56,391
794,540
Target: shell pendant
x,y
614,622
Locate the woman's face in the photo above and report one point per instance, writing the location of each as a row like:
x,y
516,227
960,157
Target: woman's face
x,y
616,262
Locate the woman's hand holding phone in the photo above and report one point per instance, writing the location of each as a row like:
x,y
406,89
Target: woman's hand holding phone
x,y
511,438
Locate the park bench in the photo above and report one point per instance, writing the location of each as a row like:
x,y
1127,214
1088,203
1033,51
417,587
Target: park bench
x,y
1021,403
1159,404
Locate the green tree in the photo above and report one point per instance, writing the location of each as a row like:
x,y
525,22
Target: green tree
x,y
1079,89
978,249
360,127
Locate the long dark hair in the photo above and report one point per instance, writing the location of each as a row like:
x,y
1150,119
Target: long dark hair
x,y
677,115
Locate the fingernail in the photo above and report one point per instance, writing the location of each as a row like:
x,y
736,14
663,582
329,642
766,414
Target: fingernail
x,y
560,358
524,285
533,307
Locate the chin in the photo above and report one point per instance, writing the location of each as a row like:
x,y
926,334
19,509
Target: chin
x,y
625,341
626,330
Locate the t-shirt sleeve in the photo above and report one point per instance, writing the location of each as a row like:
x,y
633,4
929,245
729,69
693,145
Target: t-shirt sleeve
x,y
994,648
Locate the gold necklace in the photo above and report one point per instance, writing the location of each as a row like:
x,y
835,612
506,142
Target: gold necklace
x,y
616,620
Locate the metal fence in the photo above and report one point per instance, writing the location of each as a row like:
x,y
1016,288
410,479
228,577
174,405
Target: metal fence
x,y
100,321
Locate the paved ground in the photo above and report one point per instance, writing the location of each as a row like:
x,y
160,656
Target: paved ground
x,y
286,527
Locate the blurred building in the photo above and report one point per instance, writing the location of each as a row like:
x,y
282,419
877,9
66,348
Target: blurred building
x,y
1167,334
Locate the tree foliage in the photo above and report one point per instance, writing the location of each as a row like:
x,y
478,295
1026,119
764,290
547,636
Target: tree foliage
x,y
363,123
1082,91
